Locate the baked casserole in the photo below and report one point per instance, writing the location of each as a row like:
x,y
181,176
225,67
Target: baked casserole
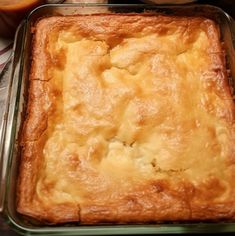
x,y
130,119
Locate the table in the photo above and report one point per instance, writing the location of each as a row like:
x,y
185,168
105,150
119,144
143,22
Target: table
x,y
227,5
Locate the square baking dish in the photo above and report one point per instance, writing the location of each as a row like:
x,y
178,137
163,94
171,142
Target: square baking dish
x,y
17,99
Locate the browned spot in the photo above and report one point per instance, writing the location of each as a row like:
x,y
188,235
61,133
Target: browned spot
x,y
114,40
59,60
131,200
189,189
162,30
78,108
154,163
132,203
211,131
209,189
74,162
47,186
96,151
159,186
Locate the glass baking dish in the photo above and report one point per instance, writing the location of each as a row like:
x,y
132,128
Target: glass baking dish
x,y
17,98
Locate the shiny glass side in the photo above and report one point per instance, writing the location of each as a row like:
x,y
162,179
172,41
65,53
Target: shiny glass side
x,y
18,100
10,71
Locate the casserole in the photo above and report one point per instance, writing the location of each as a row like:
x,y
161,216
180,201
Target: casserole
x,y
14,117
92,78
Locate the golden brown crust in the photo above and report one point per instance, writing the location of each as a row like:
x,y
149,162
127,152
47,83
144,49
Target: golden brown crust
x,y
129,119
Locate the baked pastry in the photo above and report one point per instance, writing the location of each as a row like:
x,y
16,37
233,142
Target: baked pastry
x,y
129,119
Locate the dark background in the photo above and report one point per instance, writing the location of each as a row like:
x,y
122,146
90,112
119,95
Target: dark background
x,y
226,5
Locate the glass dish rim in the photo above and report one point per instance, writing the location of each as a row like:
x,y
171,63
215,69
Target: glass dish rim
x,y
162,228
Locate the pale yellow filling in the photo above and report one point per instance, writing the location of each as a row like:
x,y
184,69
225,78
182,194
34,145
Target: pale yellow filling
x,y
140,111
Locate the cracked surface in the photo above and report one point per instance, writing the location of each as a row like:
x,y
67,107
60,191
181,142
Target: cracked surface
x,y
130,119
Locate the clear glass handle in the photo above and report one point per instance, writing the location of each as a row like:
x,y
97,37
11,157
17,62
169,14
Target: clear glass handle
x,y
5,89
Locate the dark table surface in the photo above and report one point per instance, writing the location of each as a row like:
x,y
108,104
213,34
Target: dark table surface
x,y
227,5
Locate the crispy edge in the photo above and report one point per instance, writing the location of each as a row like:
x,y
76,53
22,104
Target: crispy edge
x,y
33,138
